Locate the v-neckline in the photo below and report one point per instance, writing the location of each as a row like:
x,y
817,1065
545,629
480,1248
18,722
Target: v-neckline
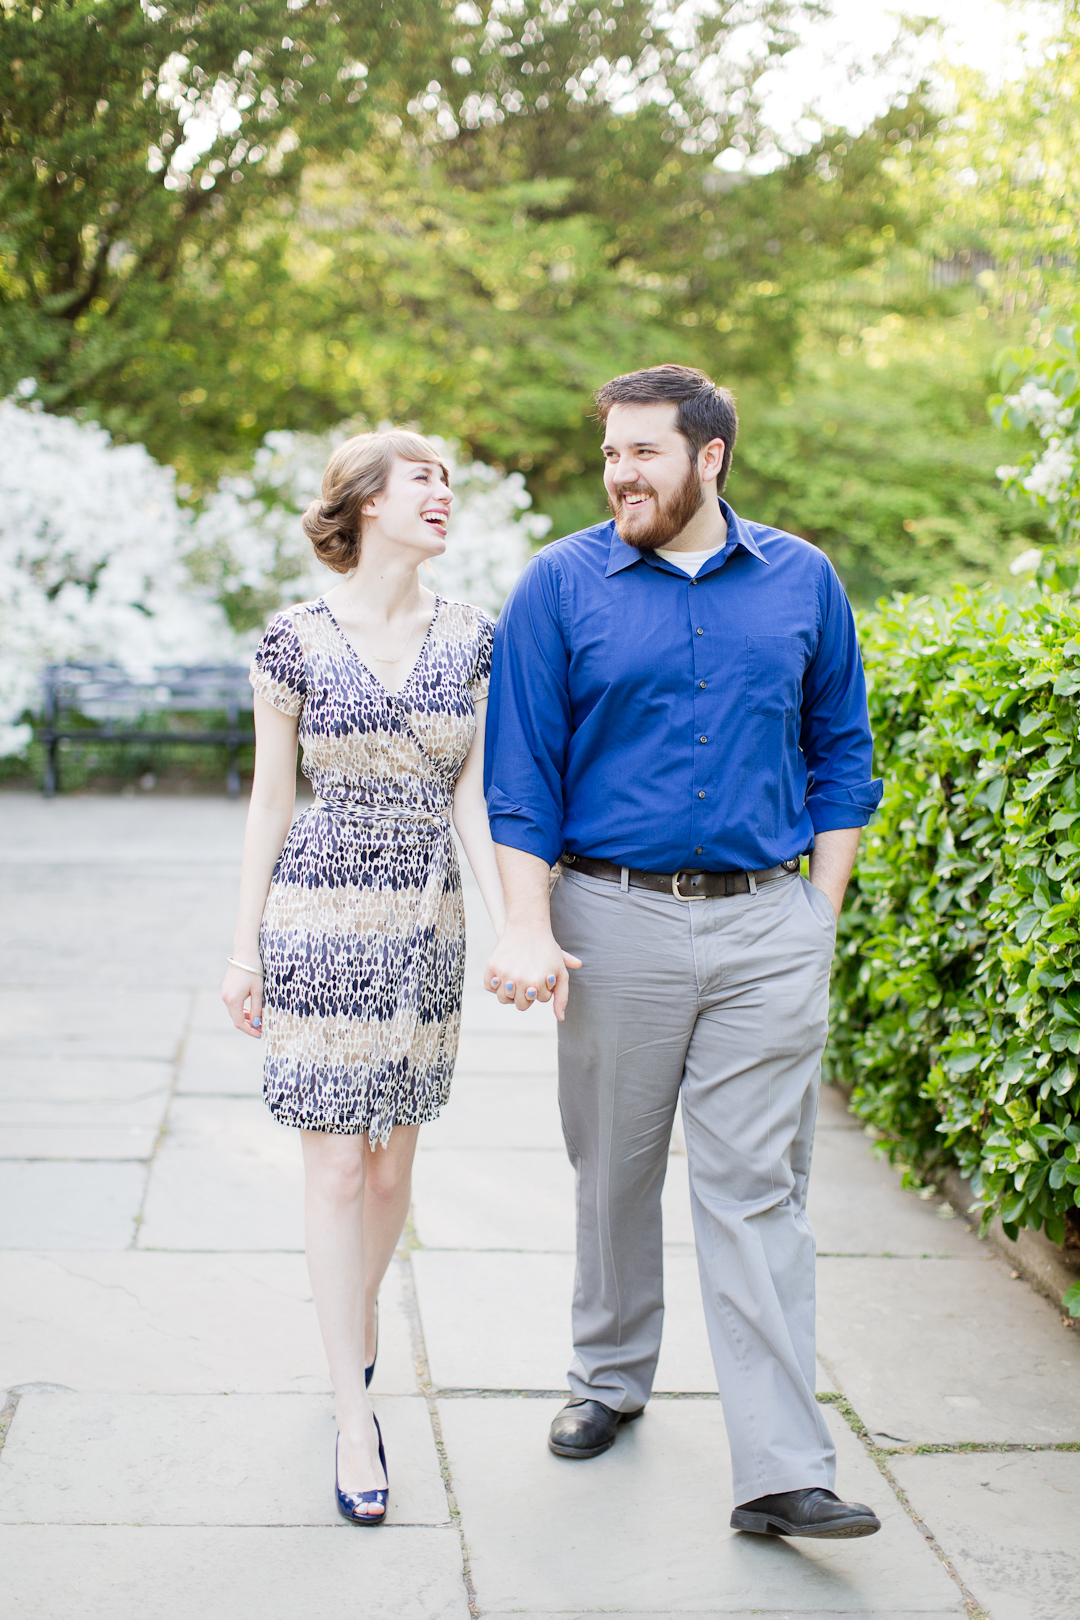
x,y
384,689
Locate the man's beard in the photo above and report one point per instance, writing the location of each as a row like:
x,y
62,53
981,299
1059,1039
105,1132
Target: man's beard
x,y
669,520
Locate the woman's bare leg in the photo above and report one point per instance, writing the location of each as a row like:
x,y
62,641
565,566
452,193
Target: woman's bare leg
x,y
387,1189
334,1171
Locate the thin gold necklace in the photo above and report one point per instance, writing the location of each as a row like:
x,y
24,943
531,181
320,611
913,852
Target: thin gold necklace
x,y
412,631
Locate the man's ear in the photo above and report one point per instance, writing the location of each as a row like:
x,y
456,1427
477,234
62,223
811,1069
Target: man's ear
x,y
711,459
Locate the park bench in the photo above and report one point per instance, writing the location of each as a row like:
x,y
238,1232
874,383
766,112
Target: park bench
x,y
103,702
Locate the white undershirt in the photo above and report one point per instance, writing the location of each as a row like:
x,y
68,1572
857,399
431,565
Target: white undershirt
x,y
689,561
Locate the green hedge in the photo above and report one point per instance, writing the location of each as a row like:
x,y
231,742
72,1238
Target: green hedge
x,y
956,1006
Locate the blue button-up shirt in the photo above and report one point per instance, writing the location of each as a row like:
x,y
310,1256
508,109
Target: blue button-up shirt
x,y
664,722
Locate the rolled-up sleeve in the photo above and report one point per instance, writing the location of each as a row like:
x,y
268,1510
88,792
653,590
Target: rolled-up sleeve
x,y
836,740
528,725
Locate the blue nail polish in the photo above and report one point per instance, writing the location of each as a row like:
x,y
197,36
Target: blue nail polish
x,y
551,981
530,995
257,1022
510,987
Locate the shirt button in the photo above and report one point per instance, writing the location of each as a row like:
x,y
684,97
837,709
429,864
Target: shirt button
x,y
699,850
701,795
703,739
693,582
701,632
702,685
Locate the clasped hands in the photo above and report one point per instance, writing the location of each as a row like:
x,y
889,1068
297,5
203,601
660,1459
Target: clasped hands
x,y
528,966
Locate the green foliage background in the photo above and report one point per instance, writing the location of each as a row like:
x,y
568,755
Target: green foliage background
x,y
956,1006
469,217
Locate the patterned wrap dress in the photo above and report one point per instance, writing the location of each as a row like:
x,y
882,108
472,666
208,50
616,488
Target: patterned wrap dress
x,y
363,933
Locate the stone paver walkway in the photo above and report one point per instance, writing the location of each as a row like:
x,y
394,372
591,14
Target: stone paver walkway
x,y
169,1435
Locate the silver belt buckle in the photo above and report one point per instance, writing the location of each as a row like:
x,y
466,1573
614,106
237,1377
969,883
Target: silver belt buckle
x,y
675,876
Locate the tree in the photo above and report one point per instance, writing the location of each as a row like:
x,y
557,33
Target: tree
x,y
151,287
882,453
493,210
491,310
131,135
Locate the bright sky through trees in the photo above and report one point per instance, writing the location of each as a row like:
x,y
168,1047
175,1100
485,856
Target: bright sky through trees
x,y
848,70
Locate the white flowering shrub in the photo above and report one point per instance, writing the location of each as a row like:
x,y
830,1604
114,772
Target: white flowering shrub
x,y
92,542
1049,401
100,561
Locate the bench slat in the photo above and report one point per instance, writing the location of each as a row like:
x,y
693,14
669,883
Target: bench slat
x,y
108,694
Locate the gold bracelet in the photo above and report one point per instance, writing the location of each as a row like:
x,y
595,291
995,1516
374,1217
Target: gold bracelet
x,y
258,972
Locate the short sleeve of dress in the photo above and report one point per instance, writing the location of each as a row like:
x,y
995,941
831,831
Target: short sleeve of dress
x,y
277,670
481,675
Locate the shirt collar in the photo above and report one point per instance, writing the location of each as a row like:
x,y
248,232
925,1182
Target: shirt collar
x,y
622,556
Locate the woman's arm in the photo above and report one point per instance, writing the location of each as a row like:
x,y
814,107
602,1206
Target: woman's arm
x,y
273,796
471,821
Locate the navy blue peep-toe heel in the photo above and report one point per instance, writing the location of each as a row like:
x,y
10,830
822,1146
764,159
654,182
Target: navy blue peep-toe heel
x,y
349,1502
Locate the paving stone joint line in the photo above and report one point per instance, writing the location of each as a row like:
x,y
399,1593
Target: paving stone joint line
x,y
213,1524
163,1128
423,1378
973,1608
956,1448
454,1392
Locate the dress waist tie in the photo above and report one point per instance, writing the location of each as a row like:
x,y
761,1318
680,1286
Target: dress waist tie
x,y
383,812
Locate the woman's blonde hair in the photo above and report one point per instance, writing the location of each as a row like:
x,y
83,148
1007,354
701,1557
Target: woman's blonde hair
x,y
357,470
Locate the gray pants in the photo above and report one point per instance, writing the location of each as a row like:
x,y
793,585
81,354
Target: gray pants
x,y
726,1002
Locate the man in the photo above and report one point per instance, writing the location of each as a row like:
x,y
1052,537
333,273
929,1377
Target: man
x,y
677,714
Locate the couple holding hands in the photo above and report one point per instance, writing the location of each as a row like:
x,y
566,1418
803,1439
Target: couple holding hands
x,y
669,713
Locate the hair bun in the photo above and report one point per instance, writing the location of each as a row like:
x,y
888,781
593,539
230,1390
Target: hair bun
x,y
335,542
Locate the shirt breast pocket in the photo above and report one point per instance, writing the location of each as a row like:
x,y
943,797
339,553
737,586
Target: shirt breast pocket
x,y
774,674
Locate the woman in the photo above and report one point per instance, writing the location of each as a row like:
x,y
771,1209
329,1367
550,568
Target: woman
x,y
349,952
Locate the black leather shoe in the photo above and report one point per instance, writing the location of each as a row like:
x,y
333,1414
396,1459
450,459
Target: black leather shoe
x,y
586,1428
813,1512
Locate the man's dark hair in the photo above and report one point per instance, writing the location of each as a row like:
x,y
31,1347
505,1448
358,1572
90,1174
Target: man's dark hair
x,y
705,410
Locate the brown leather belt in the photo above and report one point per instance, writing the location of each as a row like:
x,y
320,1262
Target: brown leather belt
x,y
684,885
